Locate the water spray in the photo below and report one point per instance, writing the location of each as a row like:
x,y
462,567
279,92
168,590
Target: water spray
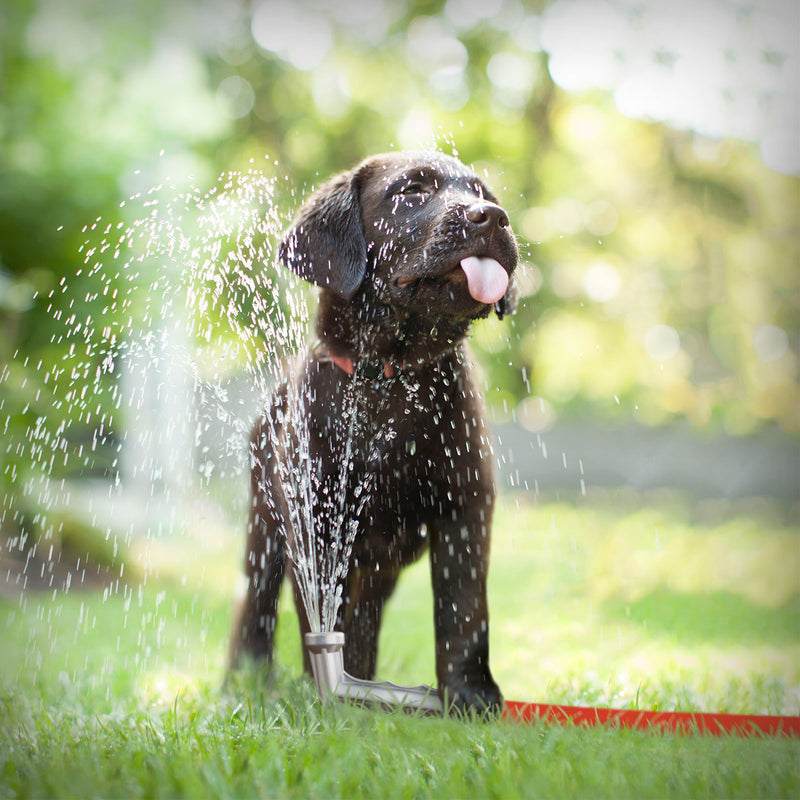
x,y
204,253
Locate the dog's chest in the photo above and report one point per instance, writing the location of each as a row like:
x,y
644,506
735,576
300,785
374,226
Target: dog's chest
x,y
405,443
419,442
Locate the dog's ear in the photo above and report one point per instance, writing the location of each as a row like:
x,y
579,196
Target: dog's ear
x,y
507,304
325,244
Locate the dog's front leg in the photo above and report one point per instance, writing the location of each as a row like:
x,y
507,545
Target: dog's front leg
x,y
459,567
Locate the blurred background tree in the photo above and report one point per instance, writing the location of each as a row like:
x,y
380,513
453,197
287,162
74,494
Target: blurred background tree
x,y
647,154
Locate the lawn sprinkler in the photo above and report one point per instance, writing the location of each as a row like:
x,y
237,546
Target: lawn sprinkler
x,y
333,683
327,664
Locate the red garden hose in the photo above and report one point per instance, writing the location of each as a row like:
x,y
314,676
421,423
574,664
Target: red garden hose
x,y
658,721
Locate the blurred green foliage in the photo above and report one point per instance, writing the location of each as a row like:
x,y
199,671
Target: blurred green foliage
x,y
660,277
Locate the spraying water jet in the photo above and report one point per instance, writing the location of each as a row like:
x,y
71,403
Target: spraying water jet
x,y
188,265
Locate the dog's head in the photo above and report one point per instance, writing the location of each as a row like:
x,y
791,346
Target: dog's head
x,y
415,231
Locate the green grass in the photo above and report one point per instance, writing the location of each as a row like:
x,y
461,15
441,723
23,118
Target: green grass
x,y
629,602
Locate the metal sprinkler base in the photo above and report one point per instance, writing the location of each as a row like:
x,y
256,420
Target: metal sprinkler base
x,y
327,664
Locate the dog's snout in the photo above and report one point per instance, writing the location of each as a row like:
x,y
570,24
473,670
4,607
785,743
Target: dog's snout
x,y
488,215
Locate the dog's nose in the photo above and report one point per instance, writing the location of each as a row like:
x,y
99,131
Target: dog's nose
x,y
485,214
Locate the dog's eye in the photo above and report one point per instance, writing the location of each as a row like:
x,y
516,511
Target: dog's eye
x,y
413,190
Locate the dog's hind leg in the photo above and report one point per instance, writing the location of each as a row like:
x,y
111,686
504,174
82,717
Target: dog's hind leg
x,y
265,557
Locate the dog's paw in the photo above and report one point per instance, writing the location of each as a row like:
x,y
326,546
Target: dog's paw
x,y
475,698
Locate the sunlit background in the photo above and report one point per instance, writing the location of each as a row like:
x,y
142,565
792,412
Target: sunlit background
x,y
648,154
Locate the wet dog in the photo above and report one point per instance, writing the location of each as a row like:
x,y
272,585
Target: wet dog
x,y
408,249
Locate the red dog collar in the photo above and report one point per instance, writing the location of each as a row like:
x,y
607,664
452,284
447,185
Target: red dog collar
x,y
372,371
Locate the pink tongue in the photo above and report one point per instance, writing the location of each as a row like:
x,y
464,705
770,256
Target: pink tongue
x,y
487,281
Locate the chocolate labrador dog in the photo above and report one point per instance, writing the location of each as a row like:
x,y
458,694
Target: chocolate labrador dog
x,y
407,249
